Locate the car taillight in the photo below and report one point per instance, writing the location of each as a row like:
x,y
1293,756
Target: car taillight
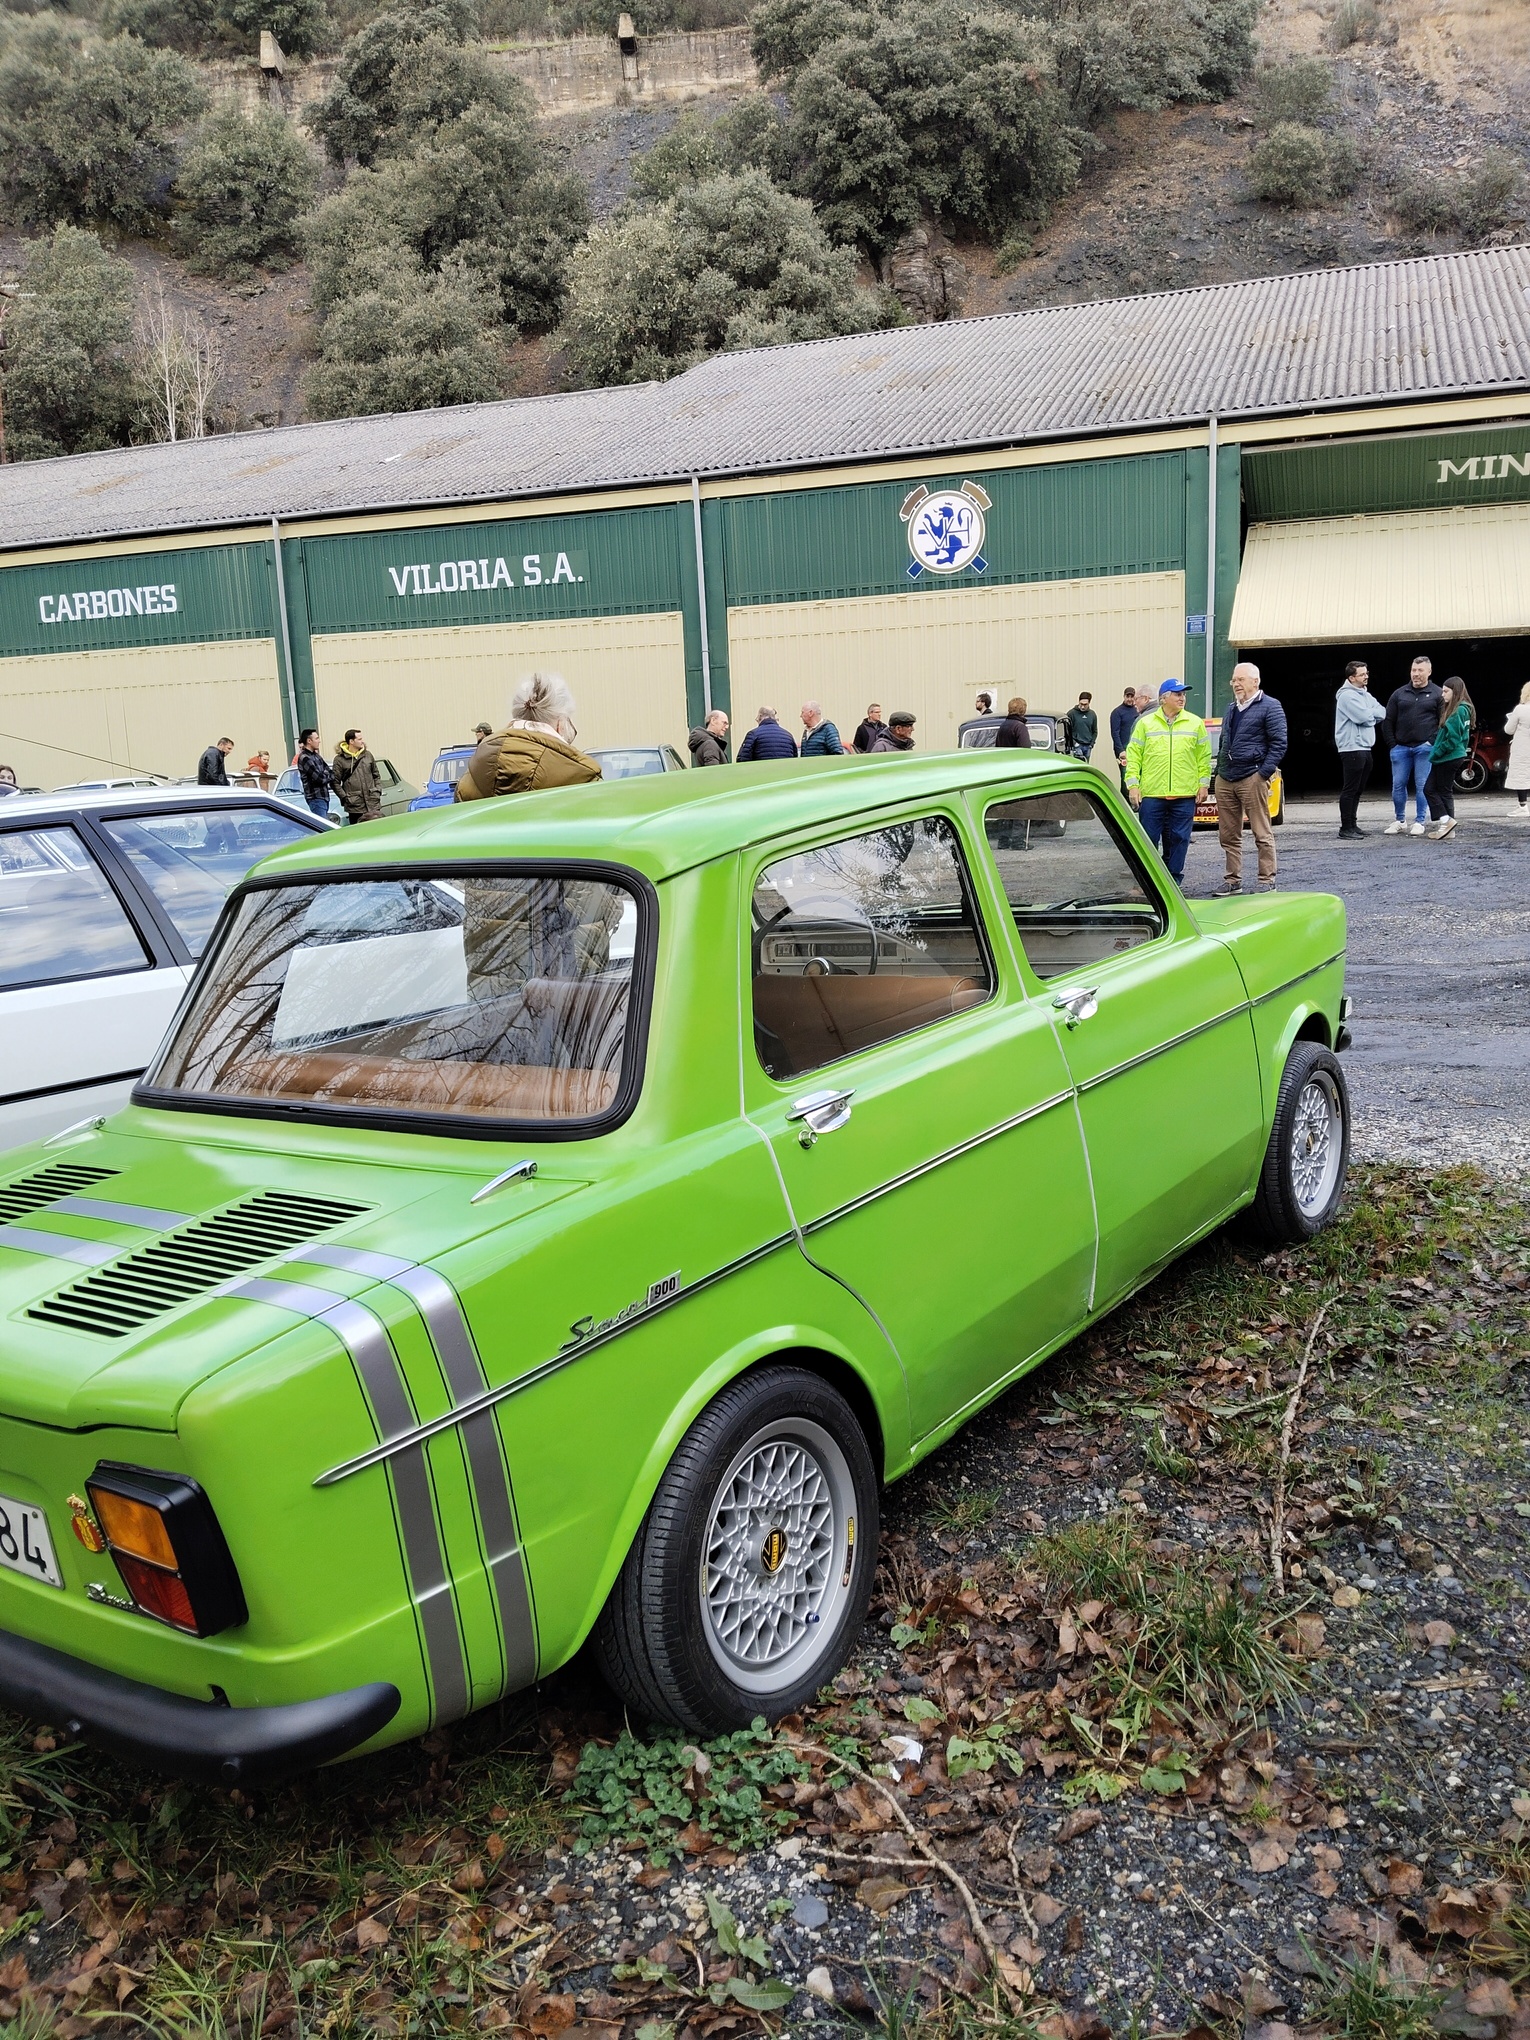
x,y
165,1540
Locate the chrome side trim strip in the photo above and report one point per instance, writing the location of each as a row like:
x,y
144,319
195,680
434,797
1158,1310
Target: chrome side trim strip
x,y
574,1350
1291,983
1134,1062
365,1338
122,1214
24,1239
950,1154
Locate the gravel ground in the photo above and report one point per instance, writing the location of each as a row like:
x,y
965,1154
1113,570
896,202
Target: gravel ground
x,y
1439,970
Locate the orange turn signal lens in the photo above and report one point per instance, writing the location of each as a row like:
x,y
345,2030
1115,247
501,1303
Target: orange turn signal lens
x,y
134,1526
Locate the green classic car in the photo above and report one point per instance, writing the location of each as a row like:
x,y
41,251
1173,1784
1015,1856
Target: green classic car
x,y
552,1221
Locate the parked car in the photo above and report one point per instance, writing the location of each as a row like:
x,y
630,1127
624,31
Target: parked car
x,y
511,1242
122,785
980,732
637,761
398,795
1206,810
106,900
440,786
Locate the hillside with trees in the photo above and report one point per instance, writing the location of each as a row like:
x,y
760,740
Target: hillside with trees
x,y
176,262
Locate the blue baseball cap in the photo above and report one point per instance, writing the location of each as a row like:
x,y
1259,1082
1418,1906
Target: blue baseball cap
x,y
1171,687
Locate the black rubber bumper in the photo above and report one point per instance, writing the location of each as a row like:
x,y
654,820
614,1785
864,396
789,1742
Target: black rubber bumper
x,y
186,1738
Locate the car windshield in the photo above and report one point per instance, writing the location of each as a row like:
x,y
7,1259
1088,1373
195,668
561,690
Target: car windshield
x,y
483,995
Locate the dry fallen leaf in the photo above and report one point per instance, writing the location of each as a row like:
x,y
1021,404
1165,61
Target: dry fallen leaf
x,y
1346,1597
1439,1635
1311,1630
1016,1974
1045,1910
1455,1911
881,1894
1403,1878
1079,1822
1491,1999
372,1933
1266,1855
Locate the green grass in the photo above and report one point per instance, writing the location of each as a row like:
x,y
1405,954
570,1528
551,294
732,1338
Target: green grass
x,y
1359,2001
966,1510
1201,1646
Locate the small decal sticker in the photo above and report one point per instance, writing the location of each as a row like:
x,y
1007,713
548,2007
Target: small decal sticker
x,y
660,1292
84,1525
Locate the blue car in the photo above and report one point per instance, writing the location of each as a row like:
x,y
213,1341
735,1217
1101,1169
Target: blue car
x,y
451,763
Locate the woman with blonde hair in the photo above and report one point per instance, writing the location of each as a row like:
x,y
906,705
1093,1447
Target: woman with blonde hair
x,y
536,747
1517,726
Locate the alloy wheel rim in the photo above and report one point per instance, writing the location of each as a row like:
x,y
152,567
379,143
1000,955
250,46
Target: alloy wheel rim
x,y
777,1555
1317,1144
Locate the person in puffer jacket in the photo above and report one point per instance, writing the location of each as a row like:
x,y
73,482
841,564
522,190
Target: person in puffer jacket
x,y
534,750
766,740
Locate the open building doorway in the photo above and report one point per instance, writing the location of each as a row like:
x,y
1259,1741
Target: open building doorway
x,y
1304,680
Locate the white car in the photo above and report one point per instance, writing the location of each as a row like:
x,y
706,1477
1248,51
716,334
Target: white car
x,y
106,901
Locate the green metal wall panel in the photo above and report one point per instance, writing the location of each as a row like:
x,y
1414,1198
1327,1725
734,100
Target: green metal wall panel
x,y
1418,471
107,604
1071,521
525,569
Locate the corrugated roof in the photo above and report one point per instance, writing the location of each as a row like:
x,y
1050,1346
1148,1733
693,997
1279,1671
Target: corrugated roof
x,y
1440,325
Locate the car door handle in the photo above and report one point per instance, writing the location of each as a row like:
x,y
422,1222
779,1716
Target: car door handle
x,y
819,1112
1080,1005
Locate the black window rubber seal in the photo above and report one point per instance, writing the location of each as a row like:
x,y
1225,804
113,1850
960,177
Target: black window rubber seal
x,y
634,1048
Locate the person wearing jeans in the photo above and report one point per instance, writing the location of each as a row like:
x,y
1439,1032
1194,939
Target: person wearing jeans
x,y
1168,765
1412,722
1356,712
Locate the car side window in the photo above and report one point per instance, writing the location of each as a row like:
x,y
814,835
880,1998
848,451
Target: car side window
x,y
857,942
59,917
191,860
1077,895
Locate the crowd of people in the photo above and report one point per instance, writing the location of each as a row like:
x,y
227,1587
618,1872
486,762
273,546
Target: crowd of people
x,y
1163,752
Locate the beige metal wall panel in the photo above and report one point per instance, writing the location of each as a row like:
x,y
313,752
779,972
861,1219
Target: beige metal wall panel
x,y
410,691
1463,572
931,650
152,708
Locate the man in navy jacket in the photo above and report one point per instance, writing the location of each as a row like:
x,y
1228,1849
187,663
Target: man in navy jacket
x,y
1253,744
767,739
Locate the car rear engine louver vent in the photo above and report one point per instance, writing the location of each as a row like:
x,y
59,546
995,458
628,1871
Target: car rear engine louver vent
x,y
156,1280
47,1186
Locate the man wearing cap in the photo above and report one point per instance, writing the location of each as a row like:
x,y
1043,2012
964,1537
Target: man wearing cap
x,y
898,736
1168,764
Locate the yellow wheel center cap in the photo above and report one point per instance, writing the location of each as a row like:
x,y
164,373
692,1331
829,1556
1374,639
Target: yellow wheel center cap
x,y
773,1551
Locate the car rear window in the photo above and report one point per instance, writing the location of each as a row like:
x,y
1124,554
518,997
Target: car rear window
x,y
191,861
496,997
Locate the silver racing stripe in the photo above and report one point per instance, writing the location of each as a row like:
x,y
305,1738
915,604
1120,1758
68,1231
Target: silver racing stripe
x,y
27,1239
148,1216
462,1369
365,1338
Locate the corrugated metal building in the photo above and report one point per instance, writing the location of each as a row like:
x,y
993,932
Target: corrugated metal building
x,y
1082,495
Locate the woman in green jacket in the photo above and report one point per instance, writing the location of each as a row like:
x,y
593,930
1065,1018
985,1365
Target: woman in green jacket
x,y
1452,742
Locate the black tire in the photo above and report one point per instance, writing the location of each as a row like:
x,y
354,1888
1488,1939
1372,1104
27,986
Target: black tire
x,y
660,1640
1307,1159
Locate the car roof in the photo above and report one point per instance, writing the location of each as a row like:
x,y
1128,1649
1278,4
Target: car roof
x,y
70,800
665,822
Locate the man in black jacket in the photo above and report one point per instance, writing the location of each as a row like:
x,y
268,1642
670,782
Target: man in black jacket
x,y
870,727
1123,720
1252,747
1411,724
211,770
1014,733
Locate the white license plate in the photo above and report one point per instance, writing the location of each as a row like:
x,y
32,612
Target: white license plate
x,y
25,1545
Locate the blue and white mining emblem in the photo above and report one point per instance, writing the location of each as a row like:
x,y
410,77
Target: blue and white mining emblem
x,y
945,530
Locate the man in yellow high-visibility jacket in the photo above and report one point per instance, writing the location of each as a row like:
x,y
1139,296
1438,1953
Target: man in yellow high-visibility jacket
x,y
1168,765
